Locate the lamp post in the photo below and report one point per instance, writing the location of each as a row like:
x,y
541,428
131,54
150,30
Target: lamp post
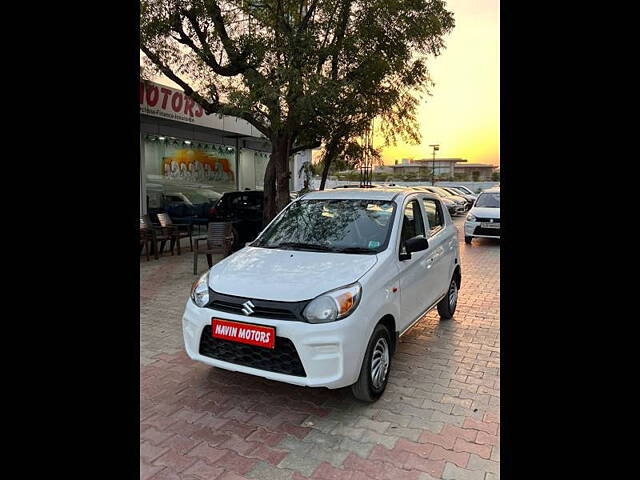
x,y
435,147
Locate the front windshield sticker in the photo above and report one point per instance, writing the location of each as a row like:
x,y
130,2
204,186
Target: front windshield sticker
x,y
374,244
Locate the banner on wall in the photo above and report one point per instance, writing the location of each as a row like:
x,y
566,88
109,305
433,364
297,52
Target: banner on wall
x,y
161,101
193,165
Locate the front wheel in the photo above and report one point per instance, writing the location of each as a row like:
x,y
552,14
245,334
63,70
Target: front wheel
x,y
374,372
447,306
467,240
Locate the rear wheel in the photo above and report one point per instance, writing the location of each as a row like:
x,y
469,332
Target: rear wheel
x,y
467,240
447,306
374,372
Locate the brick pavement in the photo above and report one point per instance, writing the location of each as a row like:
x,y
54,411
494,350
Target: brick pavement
x,y
438,419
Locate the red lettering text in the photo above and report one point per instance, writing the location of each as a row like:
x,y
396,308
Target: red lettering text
x,y
166,92
188,104
176,102
152,96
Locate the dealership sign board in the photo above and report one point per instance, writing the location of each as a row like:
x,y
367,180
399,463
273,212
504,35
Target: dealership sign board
x,y
161,101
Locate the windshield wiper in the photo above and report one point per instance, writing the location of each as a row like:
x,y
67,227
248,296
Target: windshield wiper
x,y
305,246
354,250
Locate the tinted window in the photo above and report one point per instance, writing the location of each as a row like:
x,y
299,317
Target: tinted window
x,y
412,224
488,200
434,215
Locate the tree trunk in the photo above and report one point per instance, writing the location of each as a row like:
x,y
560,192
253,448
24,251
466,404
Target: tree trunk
x,y
326,164
325,172
276,178
269,211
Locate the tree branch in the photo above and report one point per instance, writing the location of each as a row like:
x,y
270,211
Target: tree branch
x,y
307,17
205,52
209,107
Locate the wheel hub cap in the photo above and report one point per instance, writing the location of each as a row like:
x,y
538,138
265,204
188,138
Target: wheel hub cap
x,y
379,363
453,294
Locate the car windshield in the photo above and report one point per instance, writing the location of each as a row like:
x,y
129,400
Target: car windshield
x,y
488,200
346,226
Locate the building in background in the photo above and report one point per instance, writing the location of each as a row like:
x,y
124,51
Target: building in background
x,y
475,172
183,148
425,167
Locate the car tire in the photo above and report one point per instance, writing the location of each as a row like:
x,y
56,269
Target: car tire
x,y
378,350
467,240
447,306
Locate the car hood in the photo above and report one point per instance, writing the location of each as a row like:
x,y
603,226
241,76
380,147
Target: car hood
x,y
485,212
286,275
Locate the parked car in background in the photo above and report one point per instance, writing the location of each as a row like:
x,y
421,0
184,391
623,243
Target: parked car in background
x,y
464,189
452,207
184,206
483,220
459,202
357,185
322,296
468,197
244,210
456,198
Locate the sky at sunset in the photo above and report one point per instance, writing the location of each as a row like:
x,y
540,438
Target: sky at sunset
x,y
463,113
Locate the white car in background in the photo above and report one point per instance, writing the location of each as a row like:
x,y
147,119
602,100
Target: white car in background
x,y
483,220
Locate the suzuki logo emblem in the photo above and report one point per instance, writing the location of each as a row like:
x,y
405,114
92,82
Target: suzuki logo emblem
x,y
248,307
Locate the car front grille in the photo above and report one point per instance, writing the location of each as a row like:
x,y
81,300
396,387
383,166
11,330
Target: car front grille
x,y
494,232
261,308
283,358
487,220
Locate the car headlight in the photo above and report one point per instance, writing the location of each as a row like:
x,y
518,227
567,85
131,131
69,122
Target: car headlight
x,y
471,218
200,291
333,305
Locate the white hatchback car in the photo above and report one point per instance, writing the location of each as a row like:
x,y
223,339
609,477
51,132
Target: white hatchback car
x,y
483,220
323,294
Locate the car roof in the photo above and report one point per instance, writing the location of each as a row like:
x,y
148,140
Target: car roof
x,y
361,194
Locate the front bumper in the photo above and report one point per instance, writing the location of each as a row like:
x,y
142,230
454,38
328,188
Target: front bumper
x,y
330,353
475,229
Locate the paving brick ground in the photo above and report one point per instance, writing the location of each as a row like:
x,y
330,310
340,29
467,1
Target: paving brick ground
x,y
438,419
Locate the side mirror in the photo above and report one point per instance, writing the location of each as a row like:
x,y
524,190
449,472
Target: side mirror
x,y
415,244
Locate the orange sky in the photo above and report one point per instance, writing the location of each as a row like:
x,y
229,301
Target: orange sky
x,y
463,113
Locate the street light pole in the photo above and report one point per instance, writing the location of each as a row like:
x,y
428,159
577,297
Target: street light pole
x,y
435,147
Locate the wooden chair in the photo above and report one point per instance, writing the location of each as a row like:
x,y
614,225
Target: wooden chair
x,y
145,241
219,240
157,234
176,231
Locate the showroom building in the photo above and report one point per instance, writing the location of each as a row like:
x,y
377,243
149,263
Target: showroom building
x,y
182,149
